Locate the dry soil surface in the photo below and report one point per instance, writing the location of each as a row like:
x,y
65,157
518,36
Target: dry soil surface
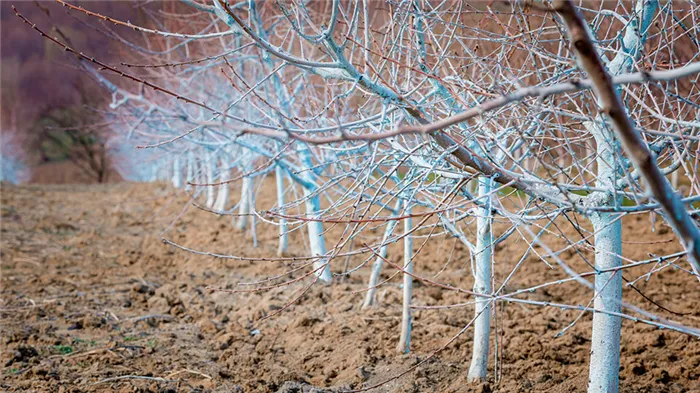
x,y
93,301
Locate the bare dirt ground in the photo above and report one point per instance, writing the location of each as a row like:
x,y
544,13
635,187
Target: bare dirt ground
x,y
93,299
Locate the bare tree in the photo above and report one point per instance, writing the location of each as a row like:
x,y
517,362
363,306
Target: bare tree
x,y
372,114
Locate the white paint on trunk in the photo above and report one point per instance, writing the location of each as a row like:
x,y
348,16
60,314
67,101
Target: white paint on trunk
x,y
404,345
482,284
370,296
561,163
244,204
209,172
177,173
222,195
317,243
605,341
674,179
190,170
253,219
604,367
283,240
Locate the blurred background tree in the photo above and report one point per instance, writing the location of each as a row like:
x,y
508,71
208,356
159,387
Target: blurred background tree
x,y
76,133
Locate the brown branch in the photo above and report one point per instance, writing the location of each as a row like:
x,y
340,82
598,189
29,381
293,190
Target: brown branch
x,y
123,74
611,104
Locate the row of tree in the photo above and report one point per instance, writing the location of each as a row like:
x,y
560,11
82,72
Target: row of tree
x,y
428,120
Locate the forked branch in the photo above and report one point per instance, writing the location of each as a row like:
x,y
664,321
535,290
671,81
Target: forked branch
x,y
642,158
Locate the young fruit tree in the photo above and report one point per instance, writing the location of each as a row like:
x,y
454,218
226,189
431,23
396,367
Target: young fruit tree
x,y
403,123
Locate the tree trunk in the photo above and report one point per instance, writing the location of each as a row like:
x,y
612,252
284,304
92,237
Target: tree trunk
x,y
482,284
379,262
244,204
605,347
404,345
605,339
283,240
317,243
190,170
177,173
209,172
222,195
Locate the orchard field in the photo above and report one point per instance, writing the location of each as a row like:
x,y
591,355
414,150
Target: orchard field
x,y
90,293
351,196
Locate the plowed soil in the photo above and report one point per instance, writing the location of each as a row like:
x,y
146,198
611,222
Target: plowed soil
x,y
94,301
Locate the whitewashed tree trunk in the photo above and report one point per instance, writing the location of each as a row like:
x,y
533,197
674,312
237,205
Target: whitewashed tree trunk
x,y
222,196
370,296
283,238
177,173
473,185
317,242
482,284
201,177
244,204
190,170
562,154
674,179
604,367
404,345
209,173
605,339
253,218
153,176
